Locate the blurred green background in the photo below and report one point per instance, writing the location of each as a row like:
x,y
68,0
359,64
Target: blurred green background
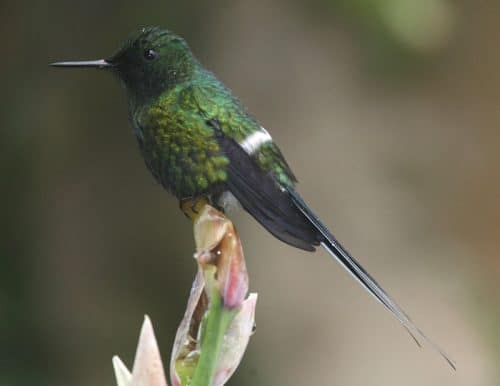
x,y
386,109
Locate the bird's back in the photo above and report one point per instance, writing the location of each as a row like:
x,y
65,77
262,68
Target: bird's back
x,y
180,144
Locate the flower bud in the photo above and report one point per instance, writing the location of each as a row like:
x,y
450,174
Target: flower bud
x,y
218,245
221,268
148,368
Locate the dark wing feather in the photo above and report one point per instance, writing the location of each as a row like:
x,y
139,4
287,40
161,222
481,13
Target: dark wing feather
x,y
285,214
261,196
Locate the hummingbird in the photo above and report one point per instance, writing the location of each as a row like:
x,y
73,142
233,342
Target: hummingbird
x,y
203,146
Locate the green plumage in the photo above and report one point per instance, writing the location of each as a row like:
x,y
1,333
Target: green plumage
x,y
181,149
172,100
199,142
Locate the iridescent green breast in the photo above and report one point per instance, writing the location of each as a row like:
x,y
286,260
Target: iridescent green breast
x,y
181,148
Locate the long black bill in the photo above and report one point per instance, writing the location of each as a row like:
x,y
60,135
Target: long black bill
x,y
84,63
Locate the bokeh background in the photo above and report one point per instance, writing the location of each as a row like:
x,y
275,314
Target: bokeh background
x,y
386,109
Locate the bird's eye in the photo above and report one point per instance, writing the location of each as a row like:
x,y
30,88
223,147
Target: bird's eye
x,y
150,55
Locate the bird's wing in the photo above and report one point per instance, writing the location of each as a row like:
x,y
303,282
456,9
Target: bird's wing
x,y
214,102
262,196
282,212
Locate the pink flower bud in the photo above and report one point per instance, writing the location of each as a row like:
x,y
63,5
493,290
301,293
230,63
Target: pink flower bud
x,y
236,341
221,266
148,367
219,246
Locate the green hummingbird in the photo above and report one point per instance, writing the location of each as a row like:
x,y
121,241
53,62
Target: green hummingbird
x,y
201,144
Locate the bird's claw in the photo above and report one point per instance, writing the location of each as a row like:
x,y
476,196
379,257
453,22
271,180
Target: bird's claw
x,y
191,207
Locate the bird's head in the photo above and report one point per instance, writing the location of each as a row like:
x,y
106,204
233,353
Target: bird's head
x,y
150,61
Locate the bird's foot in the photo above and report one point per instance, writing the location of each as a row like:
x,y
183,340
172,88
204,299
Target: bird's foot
x,y
191,207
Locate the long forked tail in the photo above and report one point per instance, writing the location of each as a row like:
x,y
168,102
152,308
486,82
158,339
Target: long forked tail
x,y
339,253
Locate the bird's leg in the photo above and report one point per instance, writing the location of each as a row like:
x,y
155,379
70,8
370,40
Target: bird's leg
x,y
191,206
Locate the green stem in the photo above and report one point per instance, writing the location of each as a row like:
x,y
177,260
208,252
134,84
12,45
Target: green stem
x,y
215,326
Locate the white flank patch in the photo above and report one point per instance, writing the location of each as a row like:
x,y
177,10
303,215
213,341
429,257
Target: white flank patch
x,y
228,202
255,140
